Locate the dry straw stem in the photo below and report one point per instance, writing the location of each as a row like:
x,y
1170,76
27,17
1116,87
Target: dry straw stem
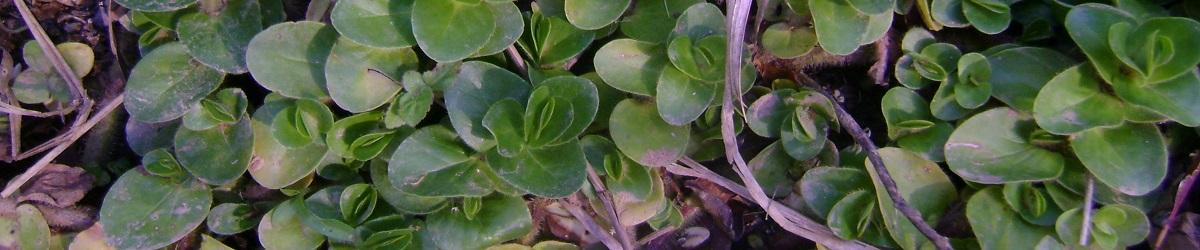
x,y
610,209
781,213
72,136
572,205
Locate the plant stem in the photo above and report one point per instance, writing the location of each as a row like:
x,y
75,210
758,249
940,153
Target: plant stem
x,y
571,204
610,208
787,218
1086,228
72,135
927,16
852,127
1181,194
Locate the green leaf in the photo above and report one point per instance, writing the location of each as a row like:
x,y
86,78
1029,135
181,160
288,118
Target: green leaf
x,y
220,41
1131,158
853,215
949,13
209,243
302,123
554,41
410,107
79,57
700,20
768,114
376,23
873,7
631,209
161,163
144,212
916,39
1088,25
166,83
1019,73
576,94
1172,99
901,107
36,87
653,21
145,137
907,74
322,213
398,199
630,65
281,166
392,239
623,176
681,99
281,228
944,104
770,167
551,171
641,134
803,134
1032,203
988,16
224,107
937,61
503,119
594,14
703,59
450,31
1073,101
509,27
922,183
1159,48
289,58
25,228
1122,225
992,148
501,218
230,218
360,78
841,28
823,187
155,5
930,142
477,87
357,202
218,155
433,162
787,41
998,227
974,86
358,137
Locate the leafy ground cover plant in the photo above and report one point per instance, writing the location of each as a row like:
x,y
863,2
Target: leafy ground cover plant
x,y
619,124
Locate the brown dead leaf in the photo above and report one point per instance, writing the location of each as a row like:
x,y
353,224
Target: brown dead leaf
x,y
57,185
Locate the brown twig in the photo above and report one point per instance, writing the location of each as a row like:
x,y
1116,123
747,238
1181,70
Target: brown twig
x,y
572,205
851,126
1181,194
73,135
810,229
610,209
